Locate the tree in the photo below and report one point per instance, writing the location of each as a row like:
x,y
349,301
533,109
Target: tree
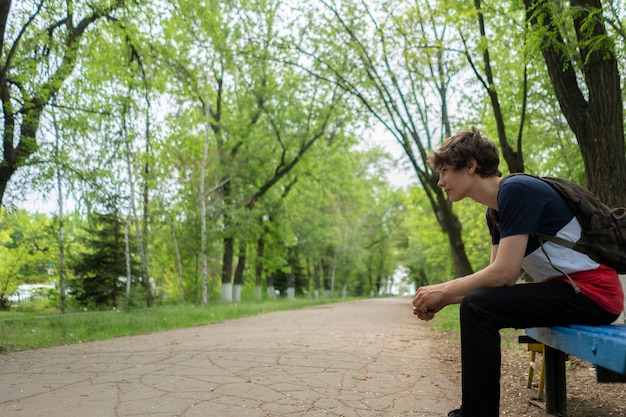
x,y
41,43
392,59
586,81
61,214
98,269
27,250
490,73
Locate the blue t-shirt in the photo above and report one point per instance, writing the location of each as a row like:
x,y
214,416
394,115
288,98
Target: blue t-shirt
x,y
527,205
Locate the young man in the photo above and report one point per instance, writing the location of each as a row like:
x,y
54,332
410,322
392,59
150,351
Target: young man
x,y
517,207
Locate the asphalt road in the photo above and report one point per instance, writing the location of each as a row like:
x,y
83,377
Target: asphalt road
x,y
366,358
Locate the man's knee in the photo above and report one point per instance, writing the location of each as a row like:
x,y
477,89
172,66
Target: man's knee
x,y
476,299
483,305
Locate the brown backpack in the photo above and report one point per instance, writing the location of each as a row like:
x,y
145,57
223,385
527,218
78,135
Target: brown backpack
x,y
603,236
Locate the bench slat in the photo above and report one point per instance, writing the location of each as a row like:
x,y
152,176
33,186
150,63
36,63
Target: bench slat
x,y
601,345
612,330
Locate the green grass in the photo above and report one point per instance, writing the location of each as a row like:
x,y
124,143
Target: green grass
x,y
32,330
447,319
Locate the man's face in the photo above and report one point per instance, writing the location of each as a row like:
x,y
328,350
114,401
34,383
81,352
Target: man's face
x,y
454,182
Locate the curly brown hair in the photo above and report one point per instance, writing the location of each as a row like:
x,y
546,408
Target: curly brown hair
x,y
458,149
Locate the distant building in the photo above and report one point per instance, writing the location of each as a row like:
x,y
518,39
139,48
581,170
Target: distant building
x,y
29,292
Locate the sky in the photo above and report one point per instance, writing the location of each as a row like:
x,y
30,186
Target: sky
x,y
400,175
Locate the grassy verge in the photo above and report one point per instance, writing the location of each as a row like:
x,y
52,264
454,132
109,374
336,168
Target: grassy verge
x,y
23,331
447,320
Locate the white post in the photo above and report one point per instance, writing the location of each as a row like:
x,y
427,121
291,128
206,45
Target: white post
x,y
622,317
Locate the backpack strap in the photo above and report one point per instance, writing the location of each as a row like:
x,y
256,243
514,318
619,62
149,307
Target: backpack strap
x,y
540,236
559,241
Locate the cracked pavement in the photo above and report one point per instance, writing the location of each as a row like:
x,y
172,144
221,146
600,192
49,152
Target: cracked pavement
x,y
366,358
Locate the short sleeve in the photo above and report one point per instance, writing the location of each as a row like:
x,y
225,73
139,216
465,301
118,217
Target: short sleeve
x,y
520,207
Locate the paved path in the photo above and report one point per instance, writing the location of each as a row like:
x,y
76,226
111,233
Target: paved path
x,y
357,359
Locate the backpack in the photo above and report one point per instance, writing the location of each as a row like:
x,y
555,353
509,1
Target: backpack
x,y
603,236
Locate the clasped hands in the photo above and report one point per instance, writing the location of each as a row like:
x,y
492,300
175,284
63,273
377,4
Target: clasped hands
x,y
428,301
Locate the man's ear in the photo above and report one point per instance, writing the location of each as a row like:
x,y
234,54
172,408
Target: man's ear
x,y
472,165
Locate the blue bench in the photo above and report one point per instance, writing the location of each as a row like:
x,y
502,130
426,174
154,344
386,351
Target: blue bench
x,y
603,346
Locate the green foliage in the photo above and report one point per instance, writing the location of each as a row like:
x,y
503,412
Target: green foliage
x,y
101,270
27,249
426,248
263,83
426,251
475,232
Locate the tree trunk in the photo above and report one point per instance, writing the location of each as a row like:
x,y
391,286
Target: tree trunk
x,y
147,284
129,275
316,280
291,285
514,157
596,120
145,240
452,226
179,261
203,208
442,207
227,269
241,266
258,280
62,292
271,291
327,267
333,272
61,239
370,277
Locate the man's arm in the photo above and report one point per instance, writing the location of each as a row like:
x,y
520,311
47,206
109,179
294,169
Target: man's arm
x,y
494,253
503,270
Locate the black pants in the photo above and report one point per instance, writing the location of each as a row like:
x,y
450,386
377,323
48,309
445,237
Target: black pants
x,y
484,312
